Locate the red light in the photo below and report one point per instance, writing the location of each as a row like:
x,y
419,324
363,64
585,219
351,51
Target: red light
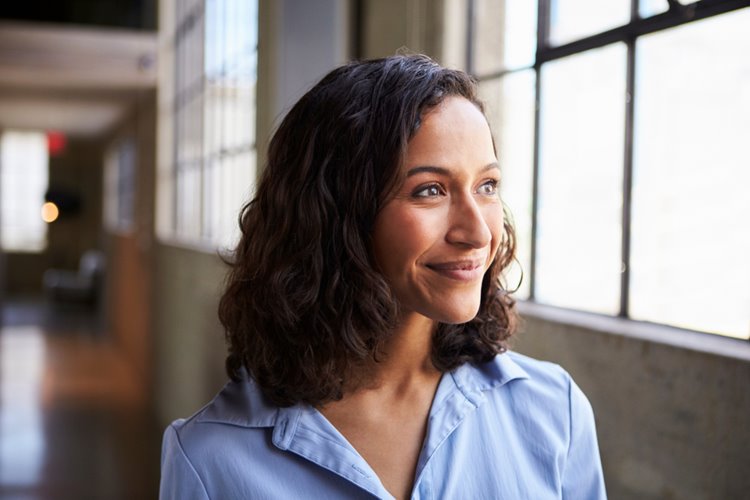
x,y
55,143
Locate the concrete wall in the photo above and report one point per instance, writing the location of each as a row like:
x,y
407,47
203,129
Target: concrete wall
x,y
395,26
299,42
189,343
672,421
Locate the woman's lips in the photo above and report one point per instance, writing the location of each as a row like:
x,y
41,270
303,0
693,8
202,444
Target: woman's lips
x,y
460,270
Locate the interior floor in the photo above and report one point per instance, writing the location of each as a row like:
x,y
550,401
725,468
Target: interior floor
x,y
73,424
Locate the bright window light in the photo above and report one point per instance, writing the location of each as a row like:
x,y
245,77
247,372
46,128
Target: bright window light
x,y
23,182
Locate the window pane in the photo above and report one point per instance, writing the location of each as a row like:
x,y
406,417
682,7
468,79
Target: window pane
x,y
580,183
213,21
574,19
690,262
649,8
510,110
189,202
505,35
211,195
120,186
229,128
23,181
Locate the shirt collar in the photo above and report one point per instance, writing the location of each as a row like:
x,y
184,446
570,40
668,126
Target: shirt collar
x,y
473,380
242,402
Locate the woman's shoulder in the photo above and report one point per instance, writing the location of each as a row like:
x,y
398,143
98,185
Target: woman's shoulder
x,y
204,449
540,383
239,405
538,398
512,366
543,373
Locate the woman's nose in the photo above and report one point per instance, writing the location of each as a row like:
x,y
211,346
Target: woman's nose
x,y
467,223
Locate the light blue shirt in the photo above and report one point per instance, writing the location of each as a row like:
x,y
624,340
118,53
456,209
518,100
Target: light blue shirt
x,y
514,428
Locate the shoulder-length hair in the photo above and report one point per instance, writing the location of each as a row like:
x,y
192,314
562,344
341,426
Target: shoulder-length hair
x,y
305,309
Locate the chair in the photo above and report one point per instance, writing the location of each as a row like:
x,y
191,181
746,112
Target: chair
x,y
82,285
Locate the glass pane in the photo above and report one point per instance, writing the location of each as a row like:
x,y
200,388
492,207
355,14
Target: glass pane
x,y
510,110
189,202
24,176
574,19
648,8
126,185
505,35
211,197
653,7
690,262
238,174
580,183
212,42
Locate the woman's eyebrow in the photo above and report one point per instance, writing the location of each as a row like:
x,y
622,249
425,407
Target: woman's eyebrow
x,y
428,169
444,171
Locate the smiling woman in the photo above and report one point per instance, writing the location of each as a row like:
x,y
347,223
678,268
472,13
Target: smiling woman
x,y
366,319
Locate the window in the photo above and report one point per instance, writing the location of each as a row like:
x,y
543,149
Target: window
x,y
211,171
622,133
24,173
120,186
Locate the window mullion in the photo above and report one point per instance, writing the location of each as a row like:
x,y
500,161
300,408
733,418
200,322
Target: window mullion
x,y
627,179
543,13
543,24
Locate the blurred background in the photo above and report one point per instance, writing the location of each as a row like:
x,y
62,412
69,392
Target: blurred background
x,y
132,131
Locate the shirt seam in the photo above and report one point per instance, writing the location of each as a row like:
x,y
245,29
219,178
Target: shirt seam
x,y
322,436
321,461
474,405
463,390
189,462
231,423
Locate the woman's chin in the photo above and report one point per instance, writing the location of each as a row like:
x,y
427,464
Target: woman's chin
x,y
456,316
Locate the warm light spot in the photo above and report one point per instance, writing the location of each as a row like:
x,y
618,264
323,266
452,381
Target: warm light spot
x,y
50,212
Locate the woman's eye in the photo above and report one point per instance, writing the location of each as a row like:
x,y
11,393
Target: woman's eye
x,y
428,191
489,188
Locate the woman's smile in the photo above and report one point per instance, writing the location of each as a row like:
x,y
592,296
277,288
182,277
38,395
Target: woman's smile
x,y
460,270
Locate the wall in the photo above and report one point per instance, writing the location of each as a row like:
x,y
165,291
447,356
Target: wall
x,y
393,26
189,347
672,421
130,252
299,42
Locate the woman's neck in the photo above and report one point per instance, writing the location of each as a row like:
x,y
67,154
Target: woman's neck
x,y
406,356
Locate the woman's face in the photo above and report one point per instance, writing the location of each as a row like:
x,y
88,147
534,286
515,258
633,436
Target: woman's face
x,y
435,238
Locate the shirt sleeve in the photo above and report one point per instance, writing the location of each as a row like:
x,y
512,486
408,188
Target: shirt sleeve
x,y
583,477
179,479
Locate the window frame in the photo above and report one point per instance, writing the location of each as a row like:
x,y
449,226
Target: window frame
x,y
628,34
206,158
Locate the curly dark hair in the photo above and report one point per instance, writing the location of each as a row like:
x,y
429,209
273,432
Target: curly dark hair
x,y
305,309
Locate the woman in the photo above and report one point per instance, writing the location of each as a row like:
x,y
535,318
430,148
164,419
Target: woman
x,y
366,322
